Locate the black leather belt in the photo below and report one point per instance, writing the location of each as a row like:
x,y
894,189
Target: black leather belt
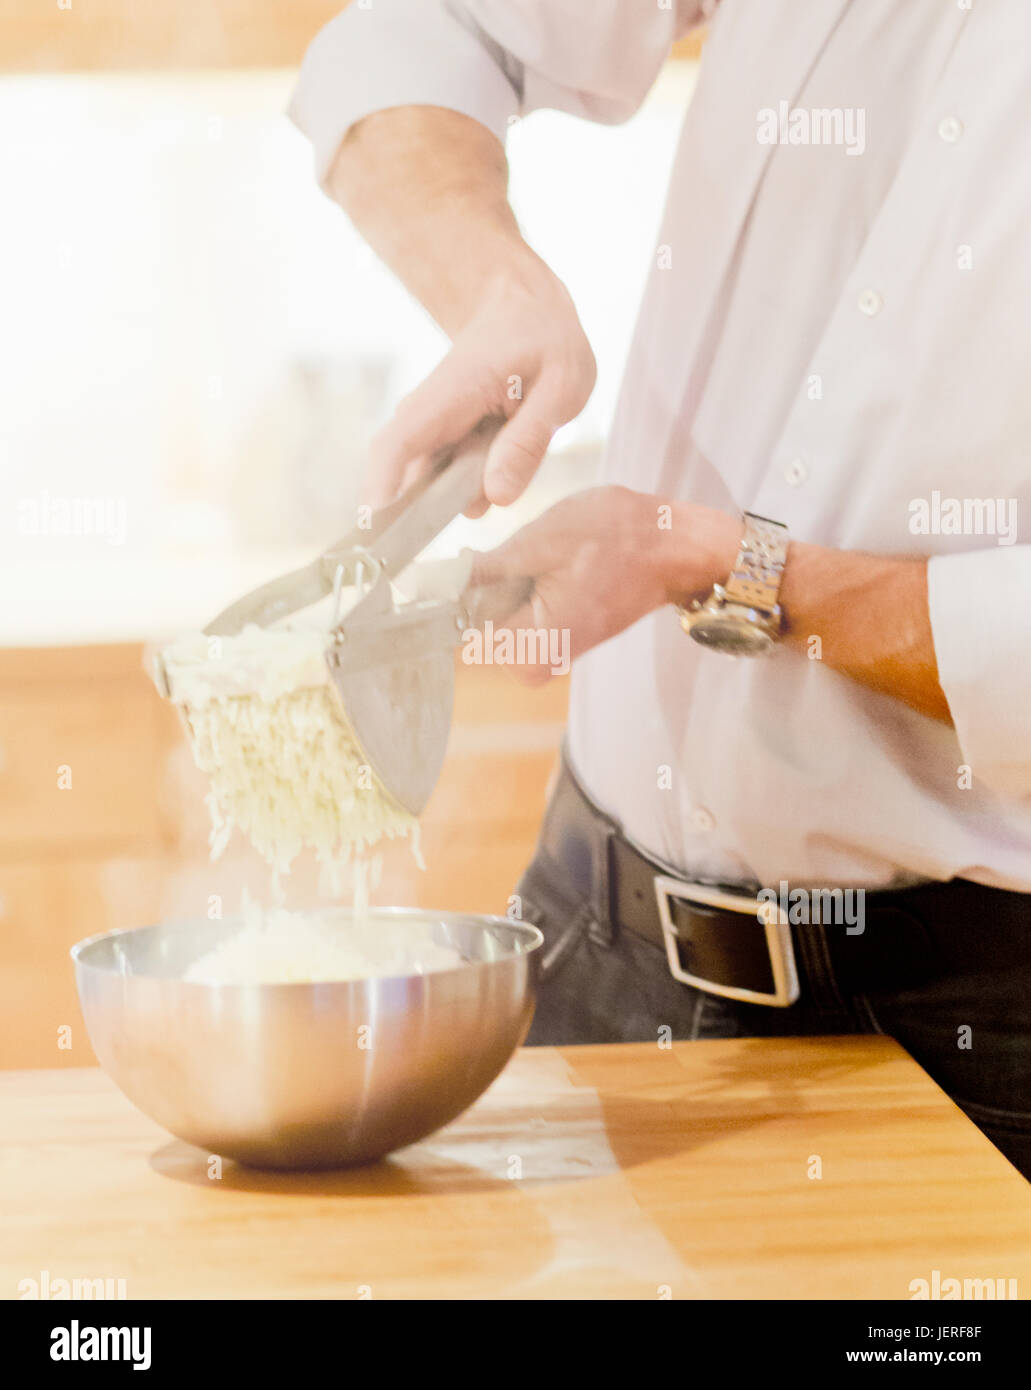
x,y
711,933
715,939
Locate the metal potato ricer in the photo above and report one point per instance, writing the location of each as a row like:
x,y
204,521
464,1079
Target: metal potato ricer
x,y
391,663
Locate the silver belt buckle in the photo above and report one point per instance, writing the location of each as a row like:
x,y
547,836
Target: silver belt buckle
x,y
778,940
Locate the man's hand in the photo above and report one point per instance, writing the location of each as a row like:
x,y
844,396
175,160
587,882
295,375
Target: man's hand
x,y
522,356
604,558
600,560
427,188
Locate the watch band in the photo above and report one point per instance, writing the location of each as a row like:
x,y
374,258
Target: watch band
x,y
755,578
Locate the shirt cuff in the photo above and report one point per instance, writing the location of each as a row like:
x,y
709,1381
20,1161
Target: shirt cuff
x,y
980,608
395,53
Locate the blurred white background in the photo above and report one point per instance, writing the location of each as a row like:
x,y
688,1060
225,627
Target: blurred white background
x,y
196,345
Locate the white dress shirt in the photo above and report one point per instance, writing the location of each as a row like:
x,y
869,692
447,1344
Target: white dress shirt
x,y
827,338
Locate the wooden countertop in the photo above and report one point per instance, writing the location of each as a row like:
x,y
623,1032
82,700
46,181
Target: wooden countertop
x,y
627,1171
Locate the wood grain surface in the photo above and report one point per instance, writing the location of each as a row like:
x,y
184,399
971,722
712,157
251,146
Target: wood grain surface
x,y
628,1171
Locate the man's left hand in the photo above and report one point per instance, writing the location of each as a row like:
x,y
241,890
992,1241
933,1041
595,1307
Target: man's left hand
x,y
602,559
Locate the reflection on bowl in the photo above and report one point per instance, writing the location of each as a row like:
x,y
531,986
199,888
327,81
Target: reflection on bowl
x,y
307,1075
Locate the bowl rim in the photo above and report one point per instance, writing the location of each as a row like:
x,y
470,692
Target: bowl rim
x,y
534,934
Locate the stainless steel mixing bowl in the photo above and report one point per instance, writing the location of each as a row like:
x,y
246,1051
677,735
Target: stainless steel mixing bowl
x,y
306,1075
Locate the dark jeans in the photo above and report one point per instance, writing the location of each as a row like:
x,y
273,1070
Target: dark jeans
x,y
600,984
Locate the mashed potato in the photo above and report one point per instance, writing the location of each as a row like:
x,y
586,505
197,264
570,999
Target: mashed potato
x,y
283,947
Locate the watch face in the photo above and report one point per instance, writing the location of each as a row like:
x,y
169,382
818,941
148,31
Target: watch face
x,y
733,635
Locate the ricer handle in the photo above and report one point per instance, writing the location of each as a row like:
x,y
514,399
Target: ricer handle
x,y
405,528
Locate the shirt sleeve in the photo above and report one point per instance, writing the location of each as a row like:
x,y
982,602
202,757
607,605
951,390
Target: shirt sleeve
x,y
980,608
489,59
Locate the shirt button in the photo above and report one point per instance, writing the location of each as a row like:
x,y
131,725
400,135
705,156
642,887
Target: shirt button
x,y
795,473
950,129
702,819
870,303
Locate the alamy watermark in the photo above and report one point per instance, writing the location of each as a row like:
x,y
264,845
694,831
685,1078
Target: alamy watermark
x,y
81,1342
964,516
48,1287
784,124
947,1289
833,907
523,646
48,514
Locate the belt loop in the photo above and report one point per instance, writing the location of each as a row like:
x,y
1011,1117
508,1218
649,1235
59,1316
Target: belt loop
x,y
601,930
600,832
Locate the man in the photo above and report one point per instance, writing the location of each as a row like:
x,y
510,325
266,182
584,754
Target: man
x,y
825,413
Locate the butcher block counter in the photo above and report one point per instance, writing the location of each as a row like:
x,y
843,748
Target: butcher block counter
x,y
749,1168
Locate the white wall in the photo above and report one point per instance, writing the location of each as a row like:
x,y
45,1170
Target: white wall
x,y
194,338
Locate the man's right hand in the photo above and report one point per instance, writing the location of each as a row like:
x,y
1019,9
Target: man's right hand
x,y
427,188
523,356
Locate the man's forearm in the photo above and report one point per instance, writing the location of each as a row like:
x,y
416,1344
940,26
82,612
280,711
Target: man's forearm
x,y
871,616
428,189
869,612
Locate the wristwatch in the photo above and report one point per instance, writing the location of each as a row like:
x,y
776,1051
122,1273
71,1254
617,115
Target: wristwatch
x,y
742,617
